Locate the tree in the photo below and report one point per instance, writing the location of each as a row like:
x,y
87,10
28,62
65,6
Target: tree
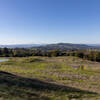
x,y
5,52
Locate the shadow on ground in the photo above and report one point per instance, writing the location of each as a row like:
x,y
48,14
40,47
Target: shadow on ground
x,y
14,87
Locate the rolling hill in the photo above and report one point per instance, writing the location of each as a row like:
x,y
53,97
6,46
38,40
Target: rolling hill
x,y
59,46
64,46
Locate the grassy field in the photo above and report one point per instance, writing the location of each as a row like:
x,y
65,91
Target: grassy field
x,y
54,78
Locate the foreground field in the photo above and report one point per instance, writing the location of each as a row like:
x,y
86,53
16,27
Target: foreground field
x,y
54,78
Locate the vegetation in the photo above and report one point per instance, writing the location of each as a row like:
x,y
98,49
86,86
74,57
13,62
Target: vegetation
x,y
49,78
93,55
39,74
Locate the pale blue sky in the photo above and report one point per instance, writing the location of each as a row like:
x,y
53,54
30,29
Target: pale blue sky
x,y
49,21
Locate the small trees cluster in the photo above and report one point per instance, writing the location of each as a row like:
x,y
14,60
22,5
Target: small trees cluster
x,y
5,52
93,55
88,55
22,52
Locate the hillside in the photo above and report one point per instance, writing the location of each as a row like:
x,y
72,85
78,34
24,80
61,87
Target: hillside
x,y
59,46
49,78
64,46
21,45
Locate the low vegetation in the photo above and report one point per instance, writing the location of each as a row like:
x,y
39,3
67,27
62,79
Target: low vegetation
x,y
87,54
49,78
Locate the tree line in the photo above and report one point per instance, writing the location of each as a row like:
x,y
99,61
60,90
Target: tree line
x,y
93,55
23,52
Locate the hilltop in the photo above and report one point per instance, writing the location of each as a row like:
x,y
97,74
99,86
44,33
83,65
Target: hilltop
x,y
65,46
60,46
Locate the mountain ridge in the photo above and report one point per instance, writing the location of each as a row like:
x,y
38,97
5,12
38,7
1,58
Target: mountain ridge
x,y
59,46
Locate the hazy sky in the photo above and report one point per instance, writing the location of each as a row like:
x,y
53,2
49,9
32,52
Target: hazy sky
x,y
49,21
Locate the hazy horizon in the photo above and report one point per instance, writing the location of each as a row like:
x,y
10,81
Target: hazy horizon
x,y
49,43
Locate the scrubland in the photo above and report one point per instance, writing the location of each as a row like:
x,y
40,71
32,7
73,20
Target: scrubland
x,y
49,78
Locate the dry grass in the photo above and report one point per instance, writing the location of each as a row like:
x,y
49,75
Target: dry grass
x,y
43,78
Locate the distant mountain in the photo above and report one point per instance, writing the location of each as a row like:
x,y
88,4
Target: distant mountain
x,y
21,45
96,45
64,46
59,46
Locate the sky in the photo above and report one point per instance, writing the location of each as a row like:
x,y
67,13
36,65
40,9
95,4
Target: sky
x,y
49,21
